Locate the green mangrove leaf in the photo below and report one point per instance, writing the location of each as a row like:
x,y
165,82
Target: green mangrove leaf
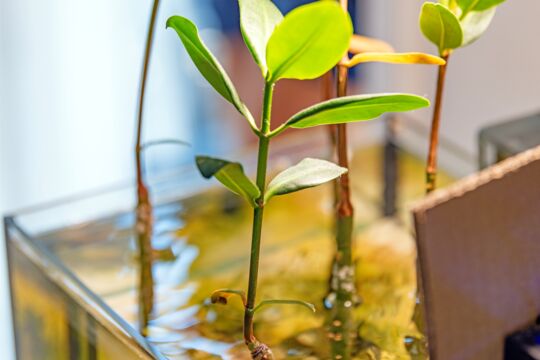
x,y
230,174
475,23
441,27
467,6
258,19
284,302
208,65
353,108
309,41
395,58
307,173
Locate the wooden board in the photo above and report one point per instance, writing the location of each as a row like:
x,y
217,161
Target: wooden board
x,y
479,254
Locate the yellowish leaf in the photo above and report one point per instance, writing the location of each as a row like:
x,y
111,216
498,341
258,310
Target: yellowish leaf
x,y
395,58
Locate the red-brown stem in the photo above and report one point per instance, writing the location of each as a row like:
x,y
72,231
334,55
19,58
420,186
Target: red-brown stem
x,y
327,94
343,271
327,85
344,204
431,183
143,211
142,190
431,168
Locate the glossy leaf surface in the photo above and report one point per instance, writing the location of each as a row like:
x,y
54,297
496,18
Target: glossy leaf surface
x,y
441,27
477,5
258,19
230,174
309,41
207,64
475,25
307,173
355,108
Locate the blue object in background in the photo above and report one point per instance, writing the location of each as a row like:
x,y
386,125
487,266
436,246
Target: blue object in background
x,y
229,14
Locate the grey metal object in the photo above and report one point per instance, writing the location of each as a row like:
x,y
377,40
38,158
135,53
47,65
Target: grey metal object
x,y
500,141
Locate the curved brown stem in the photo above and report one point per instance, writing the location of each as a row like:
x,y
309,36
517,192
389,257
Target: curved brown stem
x,y
144,221
142,191
431,169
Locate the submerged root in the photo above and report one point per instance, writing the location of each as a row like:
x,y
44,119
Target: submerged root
x,y
143,232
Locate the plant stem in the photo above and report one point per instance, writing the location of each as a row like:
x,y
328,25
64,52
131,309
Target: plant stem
x,y
341,322
431,169
431,183
419,345
327,95
345,208
343,271
327,82
146,279
142,190
144,207
390,172
258,350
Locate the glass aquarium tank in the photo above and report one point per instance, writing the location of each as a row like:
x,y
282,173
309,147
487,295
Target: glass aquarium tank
x,y
75,274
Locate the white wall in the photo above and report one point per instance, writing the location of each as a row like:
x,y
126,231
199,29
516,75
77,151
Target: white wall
x,y
495,79
69,73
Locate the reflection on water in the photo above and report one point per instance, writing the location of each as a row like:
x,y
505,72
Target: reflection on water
x,y
202,244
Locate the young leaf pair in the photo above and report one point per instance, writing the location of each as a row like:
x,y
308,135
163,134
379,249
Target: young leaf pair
x,y
302,45
308,173
451,24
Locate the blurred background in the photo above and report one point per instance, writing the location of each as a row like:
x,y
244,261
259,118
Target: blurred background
x,y
69,74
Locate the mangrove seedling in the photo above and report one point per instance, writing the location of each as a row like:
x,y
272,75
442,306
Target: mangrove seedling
x,y
144,209
304,44
449,25
342,295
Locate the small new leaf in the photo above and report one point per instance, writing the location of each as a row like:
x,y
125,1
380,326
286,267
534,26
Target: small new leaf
x,y
353,108
284,302
307,173
440,26
475,24
258,19
309,41
230,174
467,6
395,58
208,65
